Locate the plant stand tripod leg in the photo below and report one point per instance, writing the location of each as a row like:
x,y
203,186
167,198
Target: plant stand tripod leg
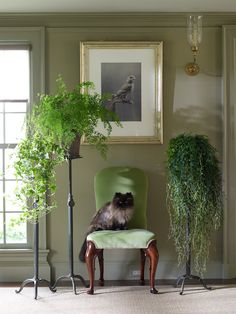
x,y
35,280
101,268
70,204
204,284
36,289
182,285
24,283
142,266
187,266
189,276
201,281
82,280
179,279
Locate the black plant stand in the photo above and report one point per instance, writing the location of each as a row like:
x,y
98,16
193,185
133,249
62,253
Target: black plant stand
x,y
188,275
71,204
35,280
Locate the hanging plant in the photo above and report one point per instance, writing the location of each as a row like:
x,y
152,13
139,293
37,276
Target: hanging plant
x,y
35,162
54,123
194,193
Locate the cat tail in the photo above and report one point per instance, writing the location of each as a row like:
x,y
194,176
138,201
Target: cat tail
x,y
83,251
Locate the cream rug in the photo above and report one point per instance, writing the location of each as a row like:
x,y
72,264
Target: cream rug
x,y
120,300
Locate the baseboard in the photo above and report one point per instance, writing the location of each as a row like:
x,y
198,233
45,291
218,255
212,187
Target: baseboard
x,y
117,270
109,283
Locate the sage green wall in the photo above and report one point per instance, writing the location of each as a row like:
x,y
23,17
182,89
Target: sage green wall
x,y
191,104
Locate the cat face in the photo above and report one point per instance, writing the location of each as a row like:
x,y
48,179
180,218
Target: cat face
x,y
123,201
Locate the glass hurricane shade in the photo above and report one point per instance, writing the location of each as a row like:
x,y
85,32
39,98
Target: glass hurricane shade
x,y
194,30
194,37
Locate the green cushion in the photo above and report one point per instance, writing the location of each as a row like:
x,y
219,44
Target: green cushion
x,y
110,180
121,239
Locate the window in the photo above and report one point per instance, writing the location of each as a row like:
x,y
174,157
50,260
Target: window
x,y
14,99
17,89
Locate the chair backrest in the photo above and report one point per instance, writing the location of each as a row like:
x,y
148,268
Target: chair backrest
x,y
110,180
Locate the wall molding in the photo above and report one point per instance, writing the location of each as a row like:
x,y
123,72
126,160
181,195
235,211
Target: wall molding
x,y
121,20
229,150
18,265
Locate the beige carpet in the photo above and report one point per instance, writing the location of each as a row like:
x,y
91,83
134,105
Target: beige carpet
x,y
120,300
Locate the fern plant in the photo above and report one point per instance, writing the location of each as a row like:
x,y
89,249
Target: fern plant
x,y
194,193
52,126
64,115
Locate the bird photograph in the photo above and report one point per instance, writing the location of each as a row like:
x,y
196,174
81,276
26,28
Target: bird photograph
x,y
122,81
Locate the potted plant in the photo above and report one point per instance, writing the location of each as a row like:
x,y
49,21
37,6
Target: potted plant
x,y
66,115
194,191
55,123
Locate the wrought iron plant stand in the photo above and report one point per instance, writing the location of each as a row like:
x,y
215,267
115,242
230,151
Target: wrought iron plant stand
x,y
71,276
188,275
35,280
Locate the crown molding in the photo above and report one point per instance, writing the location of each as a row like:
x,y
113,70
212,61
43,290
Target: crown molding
x,y
113,19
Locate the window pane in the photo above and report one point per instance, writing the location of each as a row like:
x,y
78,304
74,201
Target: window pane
x,y
14,99
1,196
1,165
1,128
14,74
15,233
15,107
9,170
1,228
10,197
14,134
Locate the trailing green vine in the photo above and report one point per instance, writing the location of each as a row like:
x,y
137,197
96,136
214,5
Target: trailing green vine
x,y
194,192
35,162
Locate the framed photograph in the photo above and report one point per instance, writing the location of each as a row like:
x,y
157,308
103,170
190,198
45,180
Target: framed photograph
x,y
131,72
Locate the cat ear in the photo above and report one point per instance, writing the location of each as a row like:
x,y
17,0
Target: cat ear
x,y
117,194
129,194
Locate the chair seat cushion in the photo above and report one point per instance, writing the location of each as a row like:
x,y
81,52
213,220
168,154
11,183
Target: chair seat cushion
x,y
121,239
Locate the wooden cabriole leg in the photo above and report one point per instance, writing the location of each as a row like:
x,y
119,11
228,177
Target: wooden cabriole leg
x,y
153,255
91,254
143,259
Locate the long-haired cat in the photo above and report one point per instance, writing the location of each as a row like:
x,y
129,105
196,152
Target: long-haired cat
x,y
113,215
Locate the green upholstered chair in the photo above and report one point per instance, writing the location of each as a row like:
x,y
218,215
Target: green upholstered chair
x,y
107,182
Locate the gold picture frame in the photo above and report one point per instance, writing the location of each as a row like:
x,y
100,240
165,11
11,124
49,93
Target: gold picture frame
x,y
132,72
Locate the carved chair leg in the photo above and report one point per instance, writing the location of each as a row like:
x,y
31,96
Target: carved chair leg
x,y
90,256
101,266
153,255
143,259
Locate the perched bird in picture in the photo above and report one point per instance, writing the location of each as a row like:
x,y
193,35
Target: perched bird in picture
x,y
123,94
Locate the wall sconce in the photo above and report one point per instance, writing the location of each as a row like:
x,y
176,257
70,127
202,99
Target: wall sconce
x,y
194,37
